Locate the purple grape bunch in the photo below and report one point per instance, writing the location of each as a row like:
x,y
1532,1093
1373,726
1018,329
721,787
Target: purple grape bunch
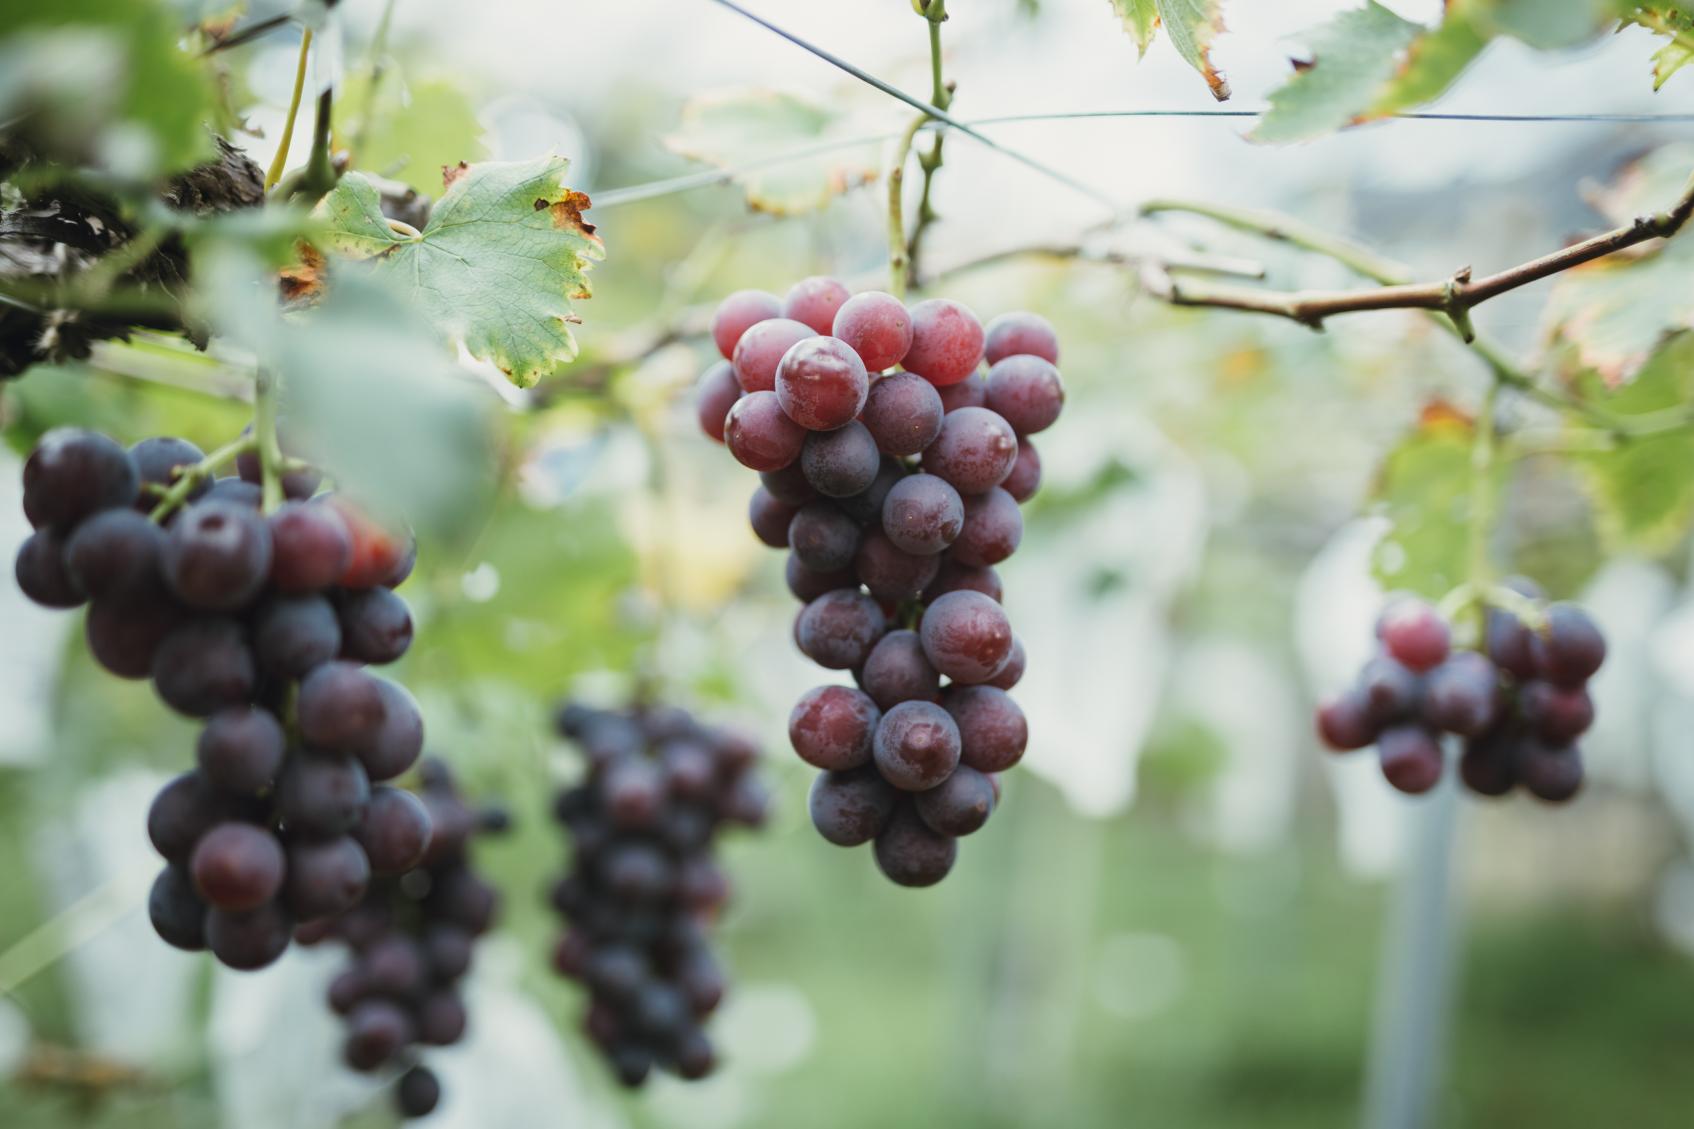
x,y
259,624
412,936
892,469
644,885
1519,704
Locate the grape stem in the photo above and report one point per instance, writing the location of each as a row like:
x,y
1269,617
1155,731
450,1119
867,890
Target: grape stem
x,y
172,499
280,161
265,439
903,251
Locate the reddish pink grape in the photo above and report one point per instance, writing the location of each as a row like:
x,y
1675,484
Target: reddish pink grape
x,y
1027,392
714,396
769,518
831,727
956,577
960,805
1344,722
815,301
840,463
922,514
1025,478
821,383
877,326
760,435
838,629
1012,673
946,342
992,530
1572,648
1462,695
1413,632
850,808
975,450
1020,332
1552,773
1411,758
971,392
916,746
889,572
761,348
807,585
311,546
909,853
1557,715
738,313
966,636
897,671
903,412
992,730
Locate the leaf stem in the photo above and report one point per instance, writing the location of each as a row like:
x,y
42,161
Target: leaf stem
x,y
172,499
280,161
268,446
1480,519
899,261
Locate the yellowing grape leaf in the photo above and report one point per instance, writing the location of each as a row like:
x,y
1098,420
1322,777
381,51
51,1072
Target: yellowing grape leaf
x,y
752,133
1429,66
1192,26
1643,490
1353,56
1424,490
505,252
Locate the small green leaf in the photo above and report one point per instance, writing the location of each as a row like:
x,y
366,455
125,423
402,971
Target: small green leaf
x,y
1644,490
505,252
740,131
1675,22
1352,57
105,81
1424,491
416,129
1431,64
1192,26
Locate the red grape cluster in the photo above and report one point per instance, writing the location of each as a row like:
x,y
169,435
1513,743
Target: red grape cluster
x,y
260,624
413,933
892,471
1519,703
644,887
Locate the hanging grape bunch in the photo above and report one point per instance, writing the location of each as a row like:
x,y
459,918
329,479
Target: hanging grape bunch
x,y
261,625
412,935
892,471
644,887
1519,702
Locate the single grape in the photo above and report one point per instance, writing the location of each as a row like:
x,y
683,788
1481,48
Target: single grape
x,y
41,571
903,412
865,507
114,552
248,940
890,573
1020,333
975,450
448,949
822,537
1411,758
1026,391
1510,643
311,546
1486,766
417,1093
831,727
326,878
850,808
1462,695
1552,773
1391,690
160,461
176,911
922,514
769,518
840,463
217,555
821,383
958,806
971,392
442,1019
395,830
293,635
992,530
73,474
237,866
897,671
877,326
917,746
815,301
966,636
694,1056
124,632
394,965
204,665
713,397
378,552
946,342
992,730
321,795
1572,649
955,577
738,313
462,898
788,484
376,626
808,585
761,349
760,435
1557,715
376,1031
838,629
1025,478
1344,722
340,706
241,749
910,854
1413,632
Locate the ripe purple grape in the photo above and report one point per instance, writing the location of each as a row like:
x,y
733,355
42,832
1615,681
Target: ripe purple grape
x,y
909,853
821,383
176,911
966,636
1572,649
971,392
1462,695
808,585
946,342
1027,392
73,474
1020,332
1410,757
761,349
241,749
203,666
769,518
247,940
956,577
376,626
1012,673
1556,714
293,635
877,326
1344,722
922,514
903,412
339,707
815,301
992,730
237,866
713,397
897,671
992,529
311,546
321,795
822,537
326,878
760,435
916,746
850,808
738,313
395,831
41,571
889,572
788,484
975,450
865,507
217,555
838,629
840,463
113,552
1025,478
1552,773
958,806
831,727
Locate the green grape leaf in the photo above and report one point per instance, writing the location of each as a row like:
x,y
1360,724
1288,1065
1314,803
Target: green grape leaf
x,y
1424,490
1430,65
1615,312
1675,22
742,131
1353,56
1192,26
1643,490
105,81
505,251
413,132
